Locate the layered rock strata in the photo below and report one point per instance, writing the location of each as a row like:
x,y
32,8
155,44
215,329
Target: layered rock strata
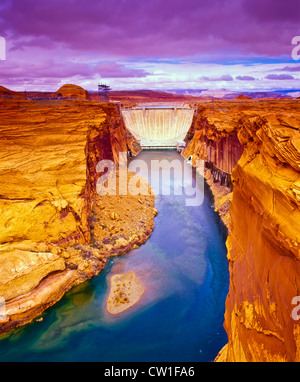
x,y
213,138
55,230
264,240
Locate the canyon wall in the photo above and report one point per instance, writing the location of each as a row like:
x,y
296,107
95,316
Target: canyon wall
x,y
55,230
213,138
263,244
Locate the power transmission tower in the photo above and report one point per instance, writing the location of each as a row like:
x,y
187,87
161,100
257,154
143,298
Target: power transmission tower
x,y
103,92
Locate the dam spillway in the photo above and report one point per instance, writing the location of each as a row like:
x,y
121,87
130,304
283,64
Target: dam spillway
x,y
159,126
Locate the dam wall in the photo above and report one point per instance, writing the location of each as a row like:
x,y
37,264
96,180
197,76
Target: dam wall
x,y
159,126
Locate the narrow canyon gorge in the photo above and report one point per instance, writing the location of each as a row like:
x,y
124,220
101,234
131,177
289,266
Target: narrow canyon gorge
x,y
56,231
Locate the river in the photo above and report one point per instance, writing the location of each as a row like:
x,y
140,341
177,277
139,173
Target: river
x,y
184,269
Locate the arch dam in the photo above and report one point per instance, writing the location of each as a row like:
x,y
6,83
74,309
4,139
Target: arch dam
x,y
159,126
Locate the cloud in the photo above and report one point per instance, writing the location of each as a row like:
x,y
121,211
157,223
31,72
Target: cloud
x,y
288,69
53,72
245,78
155,28
118,40
45,69
115,70
224,77
272,10
279,77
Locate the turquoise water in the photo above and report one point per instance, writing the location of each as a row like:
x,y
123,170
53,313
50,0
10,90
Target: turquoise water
x,y
180,316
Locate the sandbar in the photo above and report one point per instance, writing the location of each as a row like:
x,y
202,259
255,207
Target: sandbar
x,y
125,291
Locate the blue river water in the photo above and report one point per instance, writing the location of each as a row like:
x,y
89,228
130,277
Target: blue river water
x,y
184,269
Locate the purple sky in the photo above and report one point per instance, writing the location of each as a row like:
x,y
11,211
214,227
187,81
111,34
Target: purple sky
x,y
154,44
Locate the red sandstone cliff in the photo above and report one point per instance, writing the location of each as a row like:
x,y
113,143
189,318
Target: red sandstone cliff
x,y
71,91
55,230
263,244
263,247
213,138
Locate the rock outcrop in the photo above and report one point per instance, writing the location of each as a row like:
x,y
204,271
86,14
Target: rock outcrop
x,y
55,230
264,240
4,92
213,138
72,91
242,97
263,247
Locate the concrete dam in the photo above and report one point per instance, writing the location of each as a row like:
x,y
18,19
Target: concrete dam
x,y
159,126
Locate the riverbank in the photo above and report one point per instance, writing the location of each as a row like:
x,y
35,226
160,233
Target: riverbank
x,y
55,230
179,318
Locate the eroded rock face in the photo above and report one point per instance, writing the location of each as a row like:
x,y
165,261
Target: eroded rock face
x,y
263,247
72,91
54,232
43,195
264,240
213,138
